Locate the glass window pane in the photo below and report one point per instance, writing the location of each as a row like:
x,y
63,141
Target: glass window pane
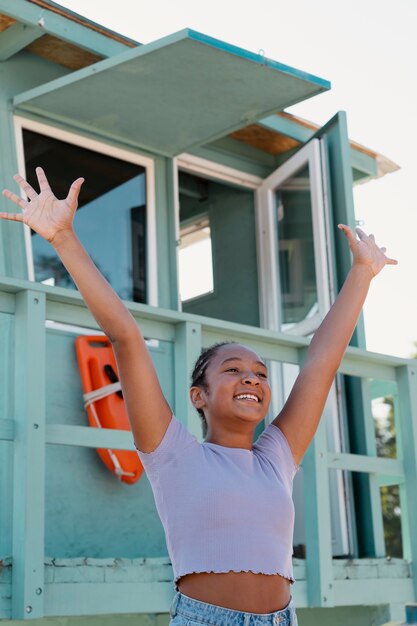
x,y
111,218
297,268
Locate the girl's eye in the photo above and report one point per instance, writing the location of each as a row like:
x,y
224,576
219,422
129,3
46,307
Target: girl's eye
x,y
262,374
232,369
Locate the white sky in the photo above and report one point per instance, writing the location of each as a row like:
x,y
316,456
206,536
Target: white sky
x,y
368,50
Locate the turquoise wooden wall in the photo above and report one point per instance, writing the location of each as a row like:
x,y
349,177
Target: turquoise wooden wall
x,y
123,520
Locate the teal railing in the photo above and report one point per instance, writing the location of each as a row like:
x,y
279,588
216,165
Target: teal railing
x,y
31,304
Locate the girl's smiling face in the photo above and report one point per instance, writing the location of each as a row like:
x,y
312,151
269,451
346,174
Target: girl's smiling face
x,y
237,388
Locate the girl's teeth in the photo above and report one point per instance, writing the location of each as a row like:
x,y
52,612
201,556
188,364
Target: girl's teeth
x,y
247,397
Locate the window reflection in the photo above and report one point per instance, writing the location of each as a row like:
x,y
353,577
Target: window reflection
x,y
297,268
111,218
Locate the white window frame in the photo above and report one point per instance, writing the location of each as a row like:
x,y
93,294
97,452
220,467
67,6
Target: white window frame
x,y
21,123
309,155
216,171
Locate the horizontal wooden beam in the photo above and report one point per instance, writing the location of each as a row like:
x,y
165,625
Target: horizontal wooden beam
x,y
360,161
383,388
364,463
372,591
364,163
265,346
87,437
156,597
79,315
17,37
391,470
287,127
68,29
104,598
356,362
390,481
371,365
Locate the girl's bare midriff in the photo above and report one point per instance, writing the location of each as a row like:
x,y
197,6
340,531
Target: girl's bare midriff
x,y
240,591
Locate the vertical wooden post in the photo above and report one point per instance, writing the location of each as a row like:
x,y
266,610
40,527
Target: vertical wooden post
x,y
376,530
318,531
12,240
407,397
187,351
411,613
166,199
406,520
29,457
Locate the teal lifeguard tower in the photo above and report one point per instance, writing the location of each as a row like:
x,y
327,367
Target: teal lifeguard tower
x,y
212,211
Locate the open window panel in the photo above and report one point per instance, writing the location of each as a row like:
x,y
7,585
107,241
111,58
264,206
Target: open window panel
x,y
115,216
295,294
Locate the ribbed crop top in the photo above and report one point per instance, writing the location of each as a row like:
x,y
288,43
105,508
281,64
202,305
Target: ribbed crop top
x,y
224,509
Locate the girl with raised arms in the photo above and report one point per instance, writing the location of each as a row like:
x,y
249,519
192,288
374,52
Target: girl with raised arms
x,y
226,504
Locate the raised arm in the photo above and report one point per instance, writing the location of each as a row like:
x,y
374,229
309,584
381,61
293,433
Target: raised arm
x,y
301,414
148,411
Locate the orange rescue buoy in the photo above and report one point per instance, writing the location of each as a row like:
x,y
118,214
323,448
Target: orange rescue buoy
x,y
103,400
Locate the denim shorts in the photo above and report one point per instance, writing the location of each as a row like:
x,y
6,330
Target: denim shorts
x,y
186,611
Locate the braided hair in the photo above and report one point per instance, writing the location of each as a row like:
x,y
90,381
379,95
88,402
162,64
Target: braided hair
x,y
198,377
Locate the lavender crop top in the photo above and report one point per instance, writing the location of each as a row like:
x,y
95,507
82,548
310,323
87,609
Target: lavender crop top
x,y
224,509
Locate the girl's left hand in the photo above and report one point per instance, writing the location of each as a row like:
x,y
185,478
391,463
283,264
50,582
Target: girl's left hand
x,y
365,250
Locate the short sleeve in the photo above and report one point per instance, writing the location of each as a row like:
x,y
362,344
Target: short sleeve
x,y
175,440
274,445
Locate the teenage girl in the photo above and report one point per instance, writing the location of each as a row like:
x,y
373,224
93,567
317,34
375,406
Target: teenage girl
x,y
226,504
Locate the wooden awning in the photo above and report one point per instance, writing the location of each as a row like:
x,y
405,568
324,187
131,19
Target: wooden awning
x,y
173,94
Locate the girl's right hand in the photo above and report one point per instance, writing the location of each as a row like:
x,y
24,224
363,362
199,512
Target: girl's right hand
x,y
43,212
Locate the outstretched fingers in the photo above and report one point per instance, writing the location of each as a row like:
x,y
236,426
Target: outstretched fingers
x,y
14,217
24,185
43,181
74,191
349,234
351,237
14,198
362,234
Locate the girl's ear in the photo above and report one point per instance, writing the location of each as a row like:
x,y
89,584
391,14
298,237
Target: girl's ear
x,y
197,397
